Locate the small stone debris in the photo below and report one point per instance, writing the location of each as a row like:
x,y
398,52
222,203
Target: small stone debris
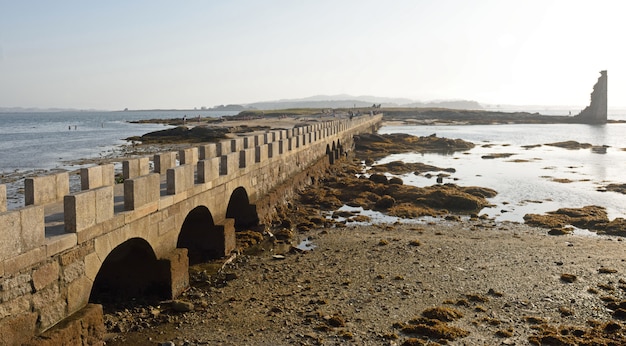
x,y
182,306
569,278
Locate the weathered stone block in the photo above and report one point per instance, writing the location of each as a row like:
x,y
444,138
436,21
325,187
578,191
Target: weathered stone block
x,y
248,142
104,203
272,149
77,253
78,292
135,167
207,151
79,210
15,307
73,271
222,148
179,179
167,225
14,287
92,265
141,191
32,227
104,244
223,165
45,275
10,239
85,327
232,162
26,259
144,210
97,176
52,313
208,169
164,161
282,146
188,156
246,157
176,267
89,233
18,329
236,145
45,297
230,242
46,189
260,154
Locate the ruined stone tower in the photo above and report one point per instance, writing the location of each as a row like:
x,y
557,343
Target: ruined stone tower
x,y
596,112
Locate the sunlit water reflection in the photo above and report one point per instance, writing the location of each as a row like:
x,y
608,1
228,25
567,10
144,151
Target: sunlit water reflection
x,y
530,180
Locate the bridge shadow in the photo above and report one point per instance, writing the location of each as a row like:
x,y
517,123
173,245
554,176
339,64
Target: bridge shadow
x,y
201,237
131,273
240,209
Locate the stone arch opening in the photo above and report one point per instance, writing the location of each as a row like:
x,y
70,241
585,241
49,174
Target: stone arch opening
x,y
131,272
201,237
240,209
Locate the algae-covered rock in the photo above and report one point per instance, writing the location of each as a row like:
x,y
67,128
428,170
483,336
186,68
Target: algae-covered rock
x,y
377,146
588,217
385,202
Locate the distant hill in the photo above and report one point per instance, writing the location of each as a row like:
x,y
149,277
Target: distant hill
x,y
228,108
348,101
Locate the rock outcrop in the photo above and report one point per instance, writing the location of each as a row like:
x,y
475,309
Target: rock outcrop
x,y
596,112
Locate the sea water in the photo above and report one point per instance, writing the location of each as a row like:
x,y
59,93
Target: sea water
x,y
533,179
51,140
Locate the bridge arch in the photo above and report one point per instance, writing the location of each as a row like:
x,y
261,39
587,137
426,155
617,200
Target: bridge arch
x,y
200,236
130,271
240,209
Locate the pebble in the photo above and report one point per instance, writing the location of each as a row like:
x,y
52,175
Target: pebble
x,y
182,306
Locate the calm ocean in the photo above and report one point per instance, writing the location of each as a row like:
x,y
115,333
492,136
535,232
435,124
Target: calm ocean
x,y
47,140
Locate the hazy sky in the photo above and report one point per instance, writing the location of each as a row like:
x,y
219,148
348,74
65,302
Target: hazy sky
x,y
185,54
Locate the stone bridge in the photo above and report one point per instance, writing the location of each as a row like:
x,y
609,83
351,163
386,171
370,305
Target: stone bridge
x,y
64,251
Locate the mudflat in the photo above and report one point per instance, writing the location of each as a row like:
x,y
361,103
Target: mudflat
x,y
367,285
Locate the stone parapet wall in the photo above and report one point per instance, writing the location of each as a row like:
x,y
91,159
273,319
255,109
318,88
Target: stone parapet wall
x,y
135,167
97,176
46,189
46,274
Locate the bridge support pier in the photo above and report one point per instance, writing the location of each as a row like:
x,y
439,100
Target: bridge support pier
x,y
176,267
85,327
